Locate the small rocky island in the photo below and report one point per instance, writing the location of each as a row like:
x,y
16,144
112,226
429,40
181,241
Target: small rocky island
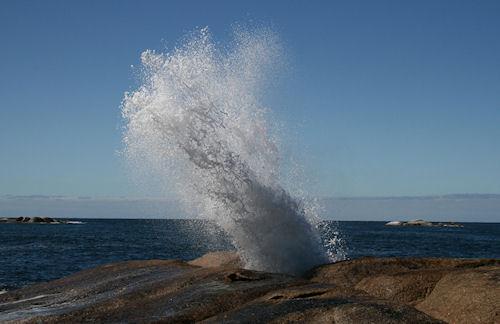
x,y
421,222
215,289
36,220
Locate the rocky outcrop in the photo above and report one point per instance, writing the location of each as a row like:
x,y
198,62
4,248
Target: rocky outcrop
x,y
425,284
214,289
35,220
421,222
471,296
218,259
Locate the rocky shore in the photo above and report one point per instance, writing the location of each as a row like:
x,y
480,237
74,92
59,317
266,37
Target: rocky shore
x,y
214,289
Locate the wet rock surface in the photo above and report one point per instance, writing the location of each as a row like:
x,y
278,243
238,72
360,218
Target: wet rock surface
x,y
214,289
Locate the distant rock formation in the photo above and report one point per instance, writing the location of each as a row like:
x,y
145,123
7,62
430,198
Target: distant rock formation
x,y
214,289
421,222
36,220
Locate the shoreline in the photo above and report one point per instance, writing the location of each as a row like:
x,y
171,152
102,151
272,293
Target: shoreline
x,y
215,288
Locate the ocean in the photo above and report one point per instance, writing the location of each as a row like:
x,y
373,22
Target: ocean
x,y
32,253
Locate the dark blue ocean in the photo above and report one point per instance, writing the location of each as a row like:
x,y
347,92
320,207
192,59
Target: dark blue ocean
x,y
31,253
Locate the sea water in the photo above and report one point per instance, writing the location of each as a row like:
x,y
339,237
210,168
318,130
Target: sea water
x,y
31,253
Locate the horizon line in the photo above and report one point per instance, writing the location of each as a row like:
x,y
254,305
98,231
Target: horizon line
x,y
321,197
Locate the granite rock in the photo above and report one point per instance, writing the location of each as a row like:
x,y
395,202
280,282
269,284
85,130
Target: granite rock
x,y
215,289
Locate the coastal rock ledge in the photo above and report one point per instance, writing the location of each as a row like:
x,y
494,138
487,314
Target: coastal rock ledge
x,y
214,289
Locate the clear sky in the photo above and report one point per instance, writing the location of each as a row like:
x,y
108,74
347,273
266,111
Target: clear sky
x,y
388,98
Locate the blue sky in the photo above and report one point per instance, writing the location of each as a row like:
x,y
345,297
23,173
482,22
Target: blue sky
x,y
387,98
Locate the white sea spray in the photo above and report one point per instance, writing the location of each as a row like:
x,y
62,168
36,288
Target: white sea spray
x,y
198,124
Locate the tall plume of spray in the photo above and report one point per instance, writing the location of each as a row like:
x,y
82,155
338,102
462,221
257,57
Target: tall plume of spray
x,y
197,122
